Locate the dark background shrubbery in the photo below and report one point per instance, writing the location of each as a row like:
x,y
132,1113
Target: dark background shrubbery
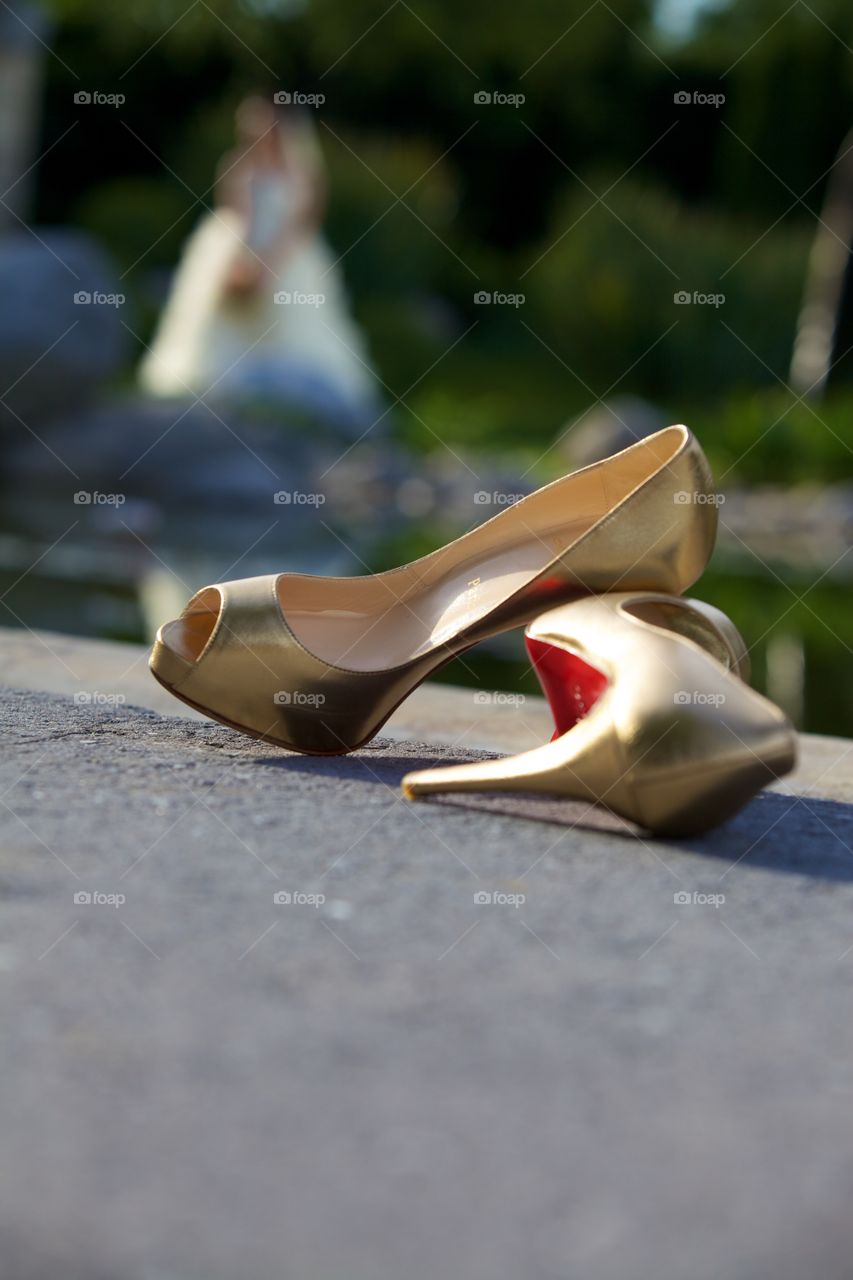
x,y
494,197
713,189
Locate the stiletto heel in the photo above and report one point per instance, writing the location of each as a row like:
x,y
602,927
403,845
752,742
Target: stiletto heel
x,y
317,665
653,718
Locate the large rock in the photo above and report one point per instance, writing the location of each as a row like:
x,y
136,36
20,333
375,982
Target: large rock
x,y
131,485
61,334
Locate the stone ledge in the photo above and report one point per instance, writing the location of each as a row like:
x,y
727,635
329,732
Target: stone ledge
x,y
434,713
202,1082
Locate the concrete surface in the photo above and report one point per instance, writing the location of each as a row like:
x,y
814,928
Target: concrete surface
x,y
596,1082
485,720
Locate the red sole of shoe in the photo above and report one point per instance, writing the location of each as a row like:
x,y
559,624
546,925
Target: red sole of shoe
x,y
571,685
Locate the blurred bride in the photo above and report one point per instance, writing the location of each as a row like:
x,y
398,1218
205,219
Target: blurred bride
x,y
257,309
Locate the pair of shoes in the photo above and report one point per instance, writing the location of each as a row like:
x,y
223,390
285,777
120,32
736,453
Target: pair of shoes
x,y
317,665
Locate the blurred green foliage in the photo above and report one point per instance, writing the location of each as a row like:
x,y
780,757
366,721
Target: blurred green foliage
x,y
599,198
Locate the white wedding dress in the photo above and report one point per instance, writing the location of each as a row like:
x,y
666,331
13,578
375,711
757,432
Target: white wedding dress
x,y
292,339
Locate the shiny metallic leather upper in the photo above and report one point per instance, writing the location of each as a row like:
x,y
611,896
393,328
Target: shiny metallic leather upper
x,y
652,524
677,742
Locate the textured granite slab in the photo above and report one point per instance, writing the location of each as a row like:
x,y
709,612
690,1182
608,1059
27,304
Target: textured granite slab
x,y
387,1076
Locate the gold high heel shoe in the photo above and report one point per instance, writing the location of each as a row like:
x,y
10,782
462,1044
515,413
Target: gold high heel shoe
x,y
317,665
653,717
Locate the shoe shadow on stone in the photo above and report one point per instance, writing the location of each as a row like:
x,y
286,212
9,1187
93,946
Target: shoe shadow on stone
x,y
387,762
798,835
381,761
792,834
